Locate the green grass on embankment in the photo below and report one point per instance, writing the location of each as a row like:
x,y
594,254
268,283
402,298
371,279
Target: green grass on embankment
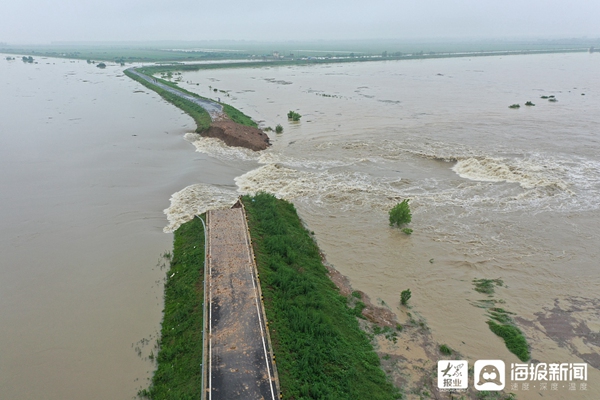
x,y
233,113
179,372
321,351
237,116
199,114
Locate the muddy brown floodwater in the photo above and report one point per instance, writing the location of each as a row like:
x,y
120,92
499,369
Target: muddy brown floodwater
x,y
496,193
88,161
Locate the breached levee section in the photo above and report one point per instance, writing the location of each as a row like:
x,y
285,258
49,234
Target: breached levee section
x,y
237,135
213,119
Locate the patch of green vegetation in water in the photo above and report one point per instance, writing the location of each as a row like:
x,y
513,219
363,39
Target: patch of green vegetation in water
x,y
487,286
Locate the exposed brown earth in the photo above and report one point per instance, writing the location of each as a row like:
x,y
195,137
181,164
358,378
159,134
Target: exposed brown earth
x,y
236,135
375,314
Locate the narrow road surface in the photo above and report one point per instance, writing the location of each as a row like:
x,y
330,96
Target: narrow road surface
x,y
239,358
214,109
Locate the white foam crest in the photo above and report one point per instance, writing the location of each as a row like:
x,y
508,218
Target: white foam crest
x,y
526,173
305,163
540,175
196,199
351,190
344,189
218,149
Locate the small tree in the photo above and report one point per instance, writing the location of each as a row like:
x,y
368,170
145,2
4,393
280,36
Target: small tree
x,y
278,128
400,214
405,296
294,116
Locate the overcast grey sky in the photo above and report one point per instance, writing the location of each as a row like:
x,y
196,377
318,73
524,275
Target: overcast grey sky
x,y
44,21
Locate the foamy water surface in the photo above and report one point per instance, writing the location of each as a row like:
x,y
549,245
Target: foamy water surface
x,y
495,192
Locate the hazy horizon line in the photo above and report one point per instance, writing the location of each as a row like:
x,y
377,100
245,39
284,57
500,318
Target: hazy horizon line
x,y
258,41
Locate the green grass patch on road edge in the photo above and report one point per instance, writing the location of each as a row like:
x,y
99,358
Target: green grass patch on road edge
x,y
321,351
237,116
233,113
199,114
179,372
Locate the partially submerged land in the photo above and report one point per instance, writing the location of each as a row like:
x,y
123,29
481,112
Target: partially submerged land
x,y
353,50
323,332
223,122
179,360
320,349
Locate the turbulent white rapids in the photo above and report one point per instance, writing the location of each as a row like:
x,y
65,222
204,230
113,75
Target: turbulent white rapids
x,y
495,192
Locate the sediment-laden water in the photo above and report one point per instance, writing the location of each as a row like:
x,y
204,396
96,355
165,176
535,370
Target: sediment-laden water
x,y
88,162
495,192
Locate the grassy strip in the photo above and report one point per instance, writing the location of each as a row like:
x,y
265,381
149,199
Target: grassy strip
x,y
237,116
179,372
500,322
321,351
233,113
118,53
502,325
199,114
282,63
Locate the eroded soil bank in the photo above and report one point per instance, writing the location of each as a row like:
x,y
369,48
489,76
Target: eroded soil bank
x,y
237,135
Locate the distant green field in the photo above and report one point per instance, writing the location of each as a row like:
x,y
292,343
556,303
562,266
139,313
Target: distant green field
x,y
124,54
220,50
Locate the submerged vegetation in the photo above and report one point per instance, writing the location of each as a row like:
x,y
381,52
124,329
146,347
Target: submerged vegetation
x,y
294,116
179,371
487,285
278,128
400,214
502,325
444,349
405,296
514,106
500,322
321,351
